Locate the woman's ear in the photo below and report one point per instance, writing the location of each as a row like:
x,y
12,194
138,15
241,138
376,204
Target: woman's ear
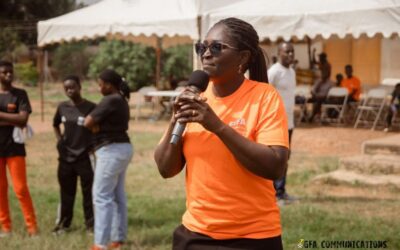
x,y
244,60
245,56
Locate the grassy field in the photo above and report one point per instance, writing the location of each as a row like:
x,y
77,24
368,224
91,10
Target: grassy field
x,y
156,205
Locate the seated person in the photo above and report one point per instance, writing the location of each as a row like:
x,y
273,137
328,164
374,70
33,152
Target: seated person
x,y
319,92
352,83
393,108
339,79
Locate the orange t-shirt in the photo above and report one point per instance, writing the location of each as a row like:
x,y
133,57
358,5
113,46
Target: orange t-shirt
x,y
224,199
352,84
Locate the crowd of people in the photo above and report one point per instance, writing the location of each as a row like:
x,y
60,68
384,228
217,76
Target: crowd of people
x,y
235,146
87,130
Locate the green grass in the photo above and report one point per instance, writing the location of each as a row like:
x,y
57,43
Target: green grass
x,y
156,205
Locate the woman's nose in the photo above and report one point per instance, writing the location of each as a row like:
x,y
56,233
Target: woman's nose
x,y
207,53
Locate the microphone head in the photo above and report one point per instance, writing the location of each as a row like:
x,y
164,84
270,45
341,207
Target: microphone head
x,y
199,79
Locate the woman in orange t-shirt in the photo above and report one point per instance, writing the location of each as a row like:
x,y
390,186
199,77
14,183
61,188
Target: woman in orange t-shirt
x,y
234,145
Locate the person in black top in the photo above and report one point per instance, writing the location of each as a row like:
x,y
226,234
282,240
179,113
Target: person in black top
x,y
73,145
109,122
393,108
14,112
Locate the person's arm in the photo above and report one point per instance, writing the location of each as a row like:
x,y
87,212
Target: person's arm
x,y
19,119
99,113
3,123
265,161
91,124
57,132
56,123
169,157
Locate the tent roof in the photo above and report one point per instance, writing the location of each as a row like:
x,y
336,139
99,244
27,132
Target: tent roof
x,y
288,18
136,19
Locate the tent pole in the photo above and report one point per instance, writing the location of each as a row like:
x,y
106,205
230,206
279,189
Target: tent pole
x,y
158,62
196,59
40,67
310,60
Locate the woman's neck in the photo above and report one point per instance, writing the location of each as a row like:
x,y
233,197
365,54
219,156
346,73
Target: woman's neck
x,y
227,87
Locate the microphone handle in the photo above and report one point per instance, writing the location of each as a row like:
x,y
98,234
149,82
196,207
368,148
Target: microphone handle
x,y
179,128
177,133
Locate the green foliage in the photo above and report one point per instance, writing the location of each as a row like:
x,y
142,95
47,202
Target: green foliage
x,y
135,62
26,73
9,40
177,62
33,10
71,58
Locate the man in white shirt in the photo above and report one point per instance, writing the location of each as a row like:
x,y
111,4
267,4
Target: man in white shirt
x,y
283,78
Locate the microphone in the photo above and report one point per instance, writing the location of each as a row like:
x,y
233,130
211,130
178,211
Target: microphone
x,y
198,82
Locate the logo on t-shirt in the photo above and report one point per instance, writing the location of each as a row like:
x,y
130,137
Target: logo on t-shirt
x,y
63,119
11,107
81,120
239,125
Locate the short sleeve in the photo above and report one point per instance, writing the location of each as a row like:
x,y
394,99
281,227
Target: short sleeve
x,y
272,127
23,102
103,109
57,117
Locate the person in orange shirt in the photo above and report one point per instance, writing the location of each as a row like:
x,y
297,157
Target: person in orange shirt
x,y
234,146
352,83
15,109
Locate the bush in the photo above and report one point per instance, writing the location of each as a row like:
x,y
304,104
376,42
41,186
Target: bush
x,y
135,62
26,73
70,59
177,62
9,40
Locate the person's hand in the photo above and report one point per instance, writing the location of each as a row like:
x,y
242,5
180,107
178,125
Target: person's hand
x,y
193,108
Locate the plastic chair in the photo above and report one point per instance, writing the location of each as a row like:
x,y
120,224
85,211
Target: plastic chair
x,y
302,94
143,100
340,95
371,107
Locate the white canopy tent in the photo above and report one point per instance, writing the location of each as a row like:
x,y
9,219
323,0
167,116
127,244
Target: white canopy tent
x,y
158,23
176,21
288,18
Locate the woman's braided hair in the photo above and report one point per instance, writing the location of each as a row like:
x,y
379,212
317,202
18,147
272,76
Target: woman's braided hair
x,y
117,81
246,38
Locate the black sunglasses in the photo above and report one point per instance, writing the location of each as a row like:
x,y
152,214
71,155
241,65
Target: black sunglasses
x,y
214,47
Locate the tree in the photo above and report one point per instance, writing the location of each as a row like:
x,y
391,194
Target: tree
x,y
135,62
9,40
21,16
71,58
177,62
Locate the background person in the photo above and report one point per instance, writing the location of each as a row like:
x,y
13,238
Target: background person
x,y
322,64
14,112
352,84
73,145
109,121
283,78
393,108
319,93
339,79
234,146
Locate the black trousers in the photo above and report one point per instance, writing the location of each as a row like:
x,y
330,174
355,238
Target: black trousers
x,y
68,174
183,239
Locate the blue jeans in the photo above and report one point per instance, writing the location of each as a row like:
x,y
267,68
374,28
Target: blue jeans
x,y
111,222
